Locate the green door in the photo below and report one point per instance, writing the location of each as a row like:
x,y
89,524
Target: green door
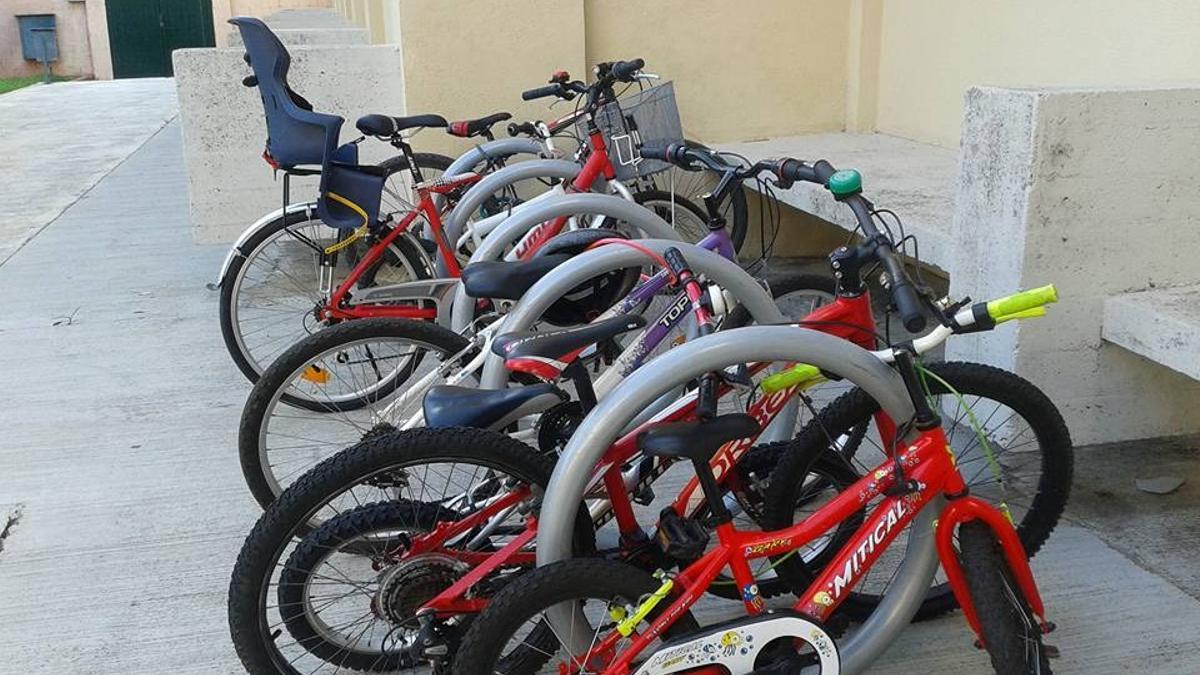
x,y
143,33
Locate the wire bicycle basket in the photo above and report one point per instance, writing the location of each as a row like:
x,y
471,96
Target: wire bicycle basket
x,y
647,116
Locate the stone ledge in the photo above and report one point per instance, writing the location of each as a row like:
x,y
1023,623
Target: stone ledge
x,y
1161,325
916,180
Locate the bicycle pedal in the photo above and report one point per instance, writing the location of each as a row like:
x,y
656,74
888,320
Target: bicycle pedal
x,y
644,496
681,538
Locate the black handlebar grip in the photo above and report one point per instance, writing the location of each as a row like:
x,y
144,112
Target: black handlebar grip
x,y
675,260
624,70
541,92
793,170
823,170
658,152
909,305
250,81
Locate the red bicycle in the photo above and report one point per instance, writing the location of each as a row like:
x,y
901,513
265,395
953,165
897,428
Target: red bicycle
x,y
287,280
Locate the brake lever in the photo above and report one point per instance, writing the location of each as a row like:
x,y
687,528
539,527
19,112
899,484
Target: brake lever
x,y
646,76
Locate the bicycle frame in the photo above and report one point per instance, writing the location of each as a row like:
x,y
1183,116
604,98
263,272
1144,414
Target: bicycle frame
x,y
930,462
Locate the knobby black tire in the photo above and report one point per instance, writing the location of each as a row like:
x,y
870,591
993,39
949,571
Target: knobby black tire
x,y
288,516
1010,632
279,375
533,593
401,515
404,247
854,407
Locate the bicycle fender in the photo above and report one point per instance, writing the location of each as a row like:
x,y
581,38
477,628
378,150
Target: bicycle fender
x,y
308,208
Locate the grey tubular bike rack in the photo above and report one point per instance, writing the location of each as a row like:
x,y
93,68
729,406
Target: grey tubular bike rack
x,y
516,225
601,428
610,258
559,169
504,147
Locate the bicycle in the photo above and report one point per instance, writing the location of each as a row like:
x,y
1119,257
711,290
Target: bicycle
x,y
380,254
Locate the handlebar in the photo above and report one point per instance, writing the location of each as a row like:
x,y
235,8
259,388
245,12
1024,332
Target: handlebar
x,y
846,187
542,92
625,70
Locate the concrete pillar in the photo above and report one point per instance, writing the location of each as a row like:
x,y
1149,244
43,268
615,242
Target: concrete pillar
x,y
1095,191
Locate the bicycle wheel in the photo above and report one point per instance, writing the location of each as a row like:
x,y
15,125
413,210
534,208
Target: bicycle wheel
x,y
693,185
345,377
510,637
1010,632
681,213
1012,448
272,290
412,480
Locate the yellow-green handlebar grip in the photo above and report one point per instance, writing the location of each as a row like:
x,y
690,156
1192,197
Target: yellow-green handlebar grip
x,y
798,374
1027,314
1019,302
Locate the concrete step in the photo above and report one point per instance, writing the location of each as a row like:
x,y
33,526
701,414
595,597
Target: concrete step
x,y
916,180
1161,325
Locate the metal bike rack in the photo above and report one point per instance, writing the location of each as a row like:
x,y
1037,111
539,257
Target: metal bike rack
x,y
502,147
522,221
477,194
601,428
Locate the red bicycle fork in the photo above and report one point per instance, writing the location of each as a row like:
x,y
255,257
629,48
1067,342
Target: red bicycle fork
x,y
963,510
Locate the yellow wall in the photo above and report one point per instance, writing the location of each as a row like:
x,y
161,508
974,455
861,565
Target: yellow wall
x,y
742,70
933,50
465,61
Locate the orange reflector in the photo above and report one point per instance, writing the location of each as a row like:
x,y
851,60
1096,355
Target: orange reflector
x,y
315,374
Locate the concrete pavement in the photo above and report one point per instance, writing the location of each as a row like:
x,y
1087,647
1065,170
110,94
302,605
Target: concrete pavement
x,y
58,140
119,452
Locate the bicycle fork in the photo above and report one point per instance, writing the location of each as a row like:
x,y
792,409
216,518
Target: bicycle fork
x,y
967,508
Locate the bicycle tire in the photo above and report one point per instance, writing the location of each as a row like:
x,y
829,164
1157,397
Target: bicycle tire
x,y
404,249
532,593
1010,632
253,633
259,476
973,379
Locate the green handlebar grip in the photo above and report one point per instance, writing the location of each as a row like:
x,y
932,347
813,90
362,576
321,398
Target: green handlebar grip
x,y
1027,314
1019,302
798,374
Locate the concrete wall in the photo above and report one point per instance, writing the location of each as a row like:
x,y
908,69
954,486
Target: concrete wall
x,y
223,9
224,131
1094,191
933,50
741,71
74,48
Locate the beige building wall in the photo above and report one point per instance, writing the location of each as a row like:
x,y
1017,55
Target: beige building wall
x,y
74,49
933,50
742,71
224,9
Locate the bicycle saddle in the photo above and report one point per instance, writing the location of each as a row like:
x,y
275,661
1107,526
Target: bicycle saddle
x,y
386,125
449,406
547,354
505,280
475,127
696,440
